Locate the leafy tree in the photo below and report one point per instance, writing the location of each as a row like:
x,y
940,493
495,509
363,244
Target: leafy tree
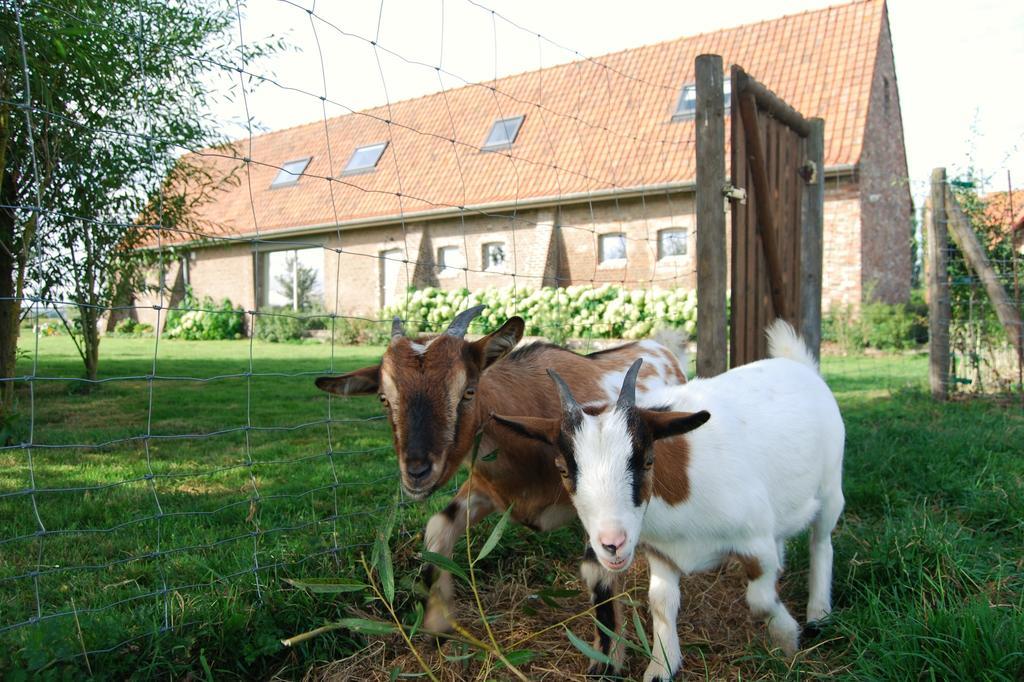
x,y
98,99
298,283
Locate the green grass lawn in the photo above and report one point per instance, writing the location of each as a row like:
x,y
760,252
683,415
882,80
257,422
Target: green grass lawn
x,y
174,508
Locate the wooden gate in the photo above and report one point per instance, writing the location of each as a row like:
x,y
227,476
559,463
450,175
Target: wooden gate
x,y
777,230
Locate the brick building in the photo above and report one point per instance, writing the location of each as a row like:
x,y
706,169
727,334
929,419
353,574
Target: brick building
x,y
1005,211
572,174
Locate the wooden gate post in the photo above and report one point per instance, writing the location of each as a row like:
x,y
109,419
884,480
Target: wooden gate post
x,y
711,266
812,214
938,289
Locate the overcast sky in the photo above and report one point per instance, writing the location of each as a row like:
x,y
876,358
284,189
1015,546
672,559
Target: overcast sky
x,y
958,64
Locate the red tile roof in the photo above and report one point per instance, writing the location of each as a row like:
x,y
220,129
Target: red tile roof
x,y
588,128
1005,210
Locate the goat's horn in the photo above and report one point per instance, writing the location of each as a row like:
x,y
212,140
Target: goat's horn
x,y
627,396
461,322
397,329
569,405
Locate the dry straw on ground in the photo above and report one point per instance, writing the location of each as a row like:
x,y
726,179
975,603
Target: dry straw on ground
x,y
715,628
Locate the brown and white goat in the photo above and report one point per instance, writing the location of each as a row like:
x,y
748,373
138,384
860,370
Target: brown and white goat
x,y
439,393
733,465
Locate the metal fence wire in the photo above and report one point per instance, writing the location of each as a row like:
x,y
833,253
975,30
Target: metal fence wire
x,y
168,486
184,483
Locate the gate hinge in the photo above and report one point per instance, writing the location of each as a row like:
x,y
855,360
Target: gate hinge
x,y
729,191
809,172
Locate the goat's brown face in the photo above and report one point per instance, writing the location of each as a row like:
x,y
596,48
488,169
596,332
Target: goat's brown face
x,y
428,388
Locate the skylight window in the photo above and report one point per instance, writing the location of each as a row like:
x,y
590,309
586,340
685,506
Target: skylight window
x,y
503,133
686,107
365,158
290,172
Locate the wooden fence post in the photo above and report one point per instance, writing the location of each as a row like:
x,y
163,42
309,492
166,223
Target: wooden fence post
x,y
967,241
938,289
711,265
812,240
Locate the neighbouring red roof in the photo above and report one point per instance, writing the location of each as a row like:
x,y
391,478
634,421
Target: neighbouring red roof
x,y
587,128
1005,210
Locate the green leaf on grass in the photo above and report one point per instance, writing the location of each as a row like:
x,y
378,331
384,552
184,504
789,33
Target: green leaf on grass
x,y
455,658
587,650
551,595
444,563
326,585
385,571
517,657
495,536
417,621
367,626
638,624
617,636
551,603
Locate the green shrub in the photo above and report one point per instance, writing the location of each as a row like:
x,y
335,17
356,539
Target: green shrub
x,y
357,332
129,327
204,320
879,325
279,324
606,311
125,327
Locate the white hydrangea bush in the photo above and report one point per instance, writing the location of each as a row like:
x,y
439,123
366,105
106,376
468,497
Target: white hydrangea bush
x,y
581,311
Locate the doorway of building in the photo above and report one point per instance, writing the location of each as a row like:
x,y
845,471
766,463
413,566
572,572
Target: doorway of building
x,y
390,266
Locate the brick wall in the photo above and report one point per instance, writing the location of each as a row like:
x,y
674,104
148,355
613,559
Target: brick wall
x,y
543,247
640,220
841,257
173,286
886,208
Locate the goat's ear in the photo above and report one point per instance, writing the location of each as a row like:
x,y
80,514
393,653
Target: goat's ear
x,y
668,424
498,343
534,428
361,381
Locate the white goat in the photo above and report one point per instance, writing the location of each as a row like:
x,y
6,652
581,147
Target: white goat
x,y
766,466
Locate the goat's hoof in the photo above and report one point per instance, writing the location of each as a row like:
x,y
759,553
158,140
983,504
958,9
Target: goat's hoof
x,y
812,630
656,673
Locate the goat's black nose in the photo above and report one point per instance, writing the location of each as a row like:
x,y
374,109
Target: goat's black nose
x,y
418,470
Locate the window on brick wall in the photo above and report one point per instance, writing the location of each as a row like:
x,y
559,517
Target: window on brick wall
x,y
449,261
494,256
611,248
672,242
292,279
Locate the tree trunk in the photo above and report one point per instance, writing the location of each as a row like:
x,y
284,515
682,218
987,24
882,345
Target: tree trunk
x,y
90,341
10,314
10,300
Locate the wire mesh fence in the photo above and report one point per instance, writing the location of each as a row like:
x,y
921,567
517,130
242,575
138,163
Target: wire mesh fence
x,y
180,483
984,274
187,479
